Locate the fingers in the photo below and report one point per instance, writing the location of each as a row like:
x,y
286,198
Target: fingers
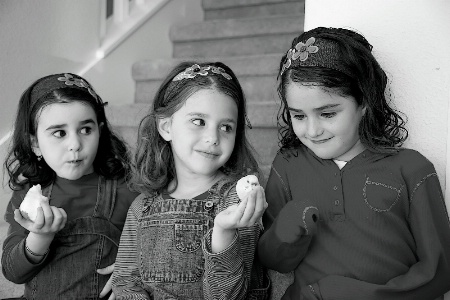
x,y
49,219
106,288
39,222
249,209
107,270
260,205
59,218
48,212
255,207
112,296
240,210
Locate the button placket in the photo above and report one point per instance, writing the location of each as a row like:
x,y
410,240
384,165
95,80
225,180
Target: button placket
x,y
337,201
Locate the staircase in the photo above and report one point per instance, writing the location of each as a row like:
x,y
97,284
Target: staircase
x,y
250,37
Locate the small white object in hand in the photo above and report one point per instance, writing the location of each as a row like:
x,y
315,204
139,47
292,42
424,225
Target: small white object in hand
x,y
245,185
33,199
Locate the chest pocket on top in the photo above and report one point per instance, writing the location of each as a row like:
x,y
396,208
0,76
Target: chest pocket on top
x,y
380,194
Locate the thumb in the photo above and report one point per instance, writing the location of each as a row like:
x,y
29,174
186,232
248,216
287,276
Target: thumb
x,y
106,270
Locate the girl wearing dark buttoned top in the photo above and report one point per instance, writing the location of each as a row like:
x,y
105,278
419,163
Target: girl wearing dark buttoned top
x,y
353,214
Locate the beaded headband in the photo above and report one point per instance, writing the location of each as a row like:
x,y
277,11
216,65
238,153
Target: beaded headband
x,y
58,81
315,53
195,69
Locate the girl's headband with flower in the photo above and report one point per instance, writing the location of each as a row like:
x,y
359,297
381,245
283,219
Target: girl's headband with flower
x,y
59,81
194,70
315,53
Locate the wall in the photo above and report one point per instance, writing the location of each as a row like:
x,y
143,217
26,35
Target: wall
x,y
411,42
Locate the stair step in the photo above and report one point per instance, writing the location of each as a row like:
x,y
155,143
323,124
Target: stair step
x,y
237,9
257,75
233,3
235,37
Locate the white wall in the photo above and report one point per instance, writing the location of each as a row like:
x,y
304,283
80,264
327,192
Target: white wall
x,y
40,38
411,41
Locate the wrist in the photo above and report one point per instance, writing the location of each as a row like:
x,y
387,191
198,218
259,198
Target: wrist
x,y
221,238
38,243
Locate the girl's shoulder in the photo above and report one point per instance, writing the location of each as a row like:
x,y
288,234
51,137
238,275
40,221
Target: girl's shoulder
x,y
288,155
411,160
19,194
142,201
124,193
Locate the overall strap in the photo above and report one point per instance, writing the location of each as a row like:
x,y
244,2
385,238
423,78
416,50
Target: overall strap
x,y
47,191
106,198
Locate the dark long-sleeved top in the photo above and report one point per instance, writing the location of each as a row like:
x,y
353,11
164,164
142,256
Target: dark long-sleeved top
x,y
382,229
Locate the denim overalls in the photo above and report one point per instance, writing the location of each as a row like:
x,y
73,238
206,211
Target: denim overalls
x,y
169,234
78,250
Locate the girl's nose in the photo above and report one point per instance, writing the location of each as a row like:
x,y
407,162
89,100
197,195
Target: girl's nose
x,y
314,129
74,143
212,137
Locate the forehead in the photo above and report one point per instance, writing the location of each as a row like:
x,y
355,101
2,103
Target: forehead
x,y
309,97
65,113
210,102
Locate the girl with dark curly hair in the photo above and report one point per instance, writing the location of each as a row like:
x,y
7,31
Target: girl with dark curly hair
x,y
351,212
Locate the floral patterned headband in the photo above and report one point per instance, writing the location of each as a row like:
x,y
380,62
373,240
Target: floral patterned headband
x,y
195,69
315,53
58,81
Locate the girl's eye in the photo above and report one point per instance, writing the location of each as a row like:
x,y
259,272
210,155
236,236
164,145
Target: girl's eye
x,y
328,114
298,117
86,130
59,133
226,128
198,122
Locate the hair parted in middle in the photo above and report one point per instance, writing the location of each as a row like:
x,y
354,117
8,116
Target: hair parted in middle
x,y
154,166
341,61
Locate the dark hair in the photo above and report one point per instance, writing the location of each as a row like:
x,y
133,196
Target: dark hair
x,y
357,74
154,166
112,159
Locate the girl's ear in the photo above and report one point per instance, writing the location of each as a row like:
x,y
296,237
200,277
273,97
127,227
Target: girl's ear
x,y
164,128
364,110
35,146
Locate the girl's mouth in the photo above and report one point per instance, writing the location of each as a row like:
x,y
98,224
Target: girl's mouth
x,y
320,141
76,161
208,154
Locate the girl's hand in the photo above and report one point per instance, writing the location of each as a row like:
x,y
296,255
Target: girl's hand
x,y
49,220
108,285
244,214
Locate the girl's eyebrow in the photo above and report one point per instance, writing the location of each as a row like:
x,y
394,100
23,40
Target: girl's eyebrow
x,y
202,115
58,126
315,109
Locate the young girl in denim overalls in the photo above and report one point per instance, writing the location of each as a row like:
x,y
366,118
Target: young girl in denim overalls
x,y
63,142
351,212
187,236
